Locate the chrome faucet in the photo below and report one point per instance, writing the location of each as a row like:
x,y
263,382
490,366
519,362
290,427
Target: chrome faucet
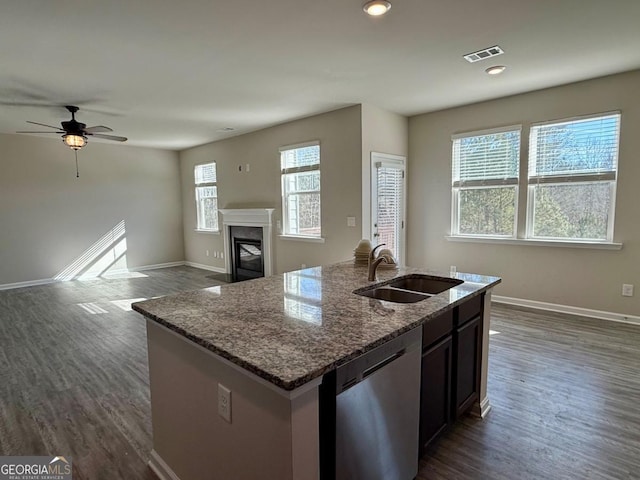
x,y
374,262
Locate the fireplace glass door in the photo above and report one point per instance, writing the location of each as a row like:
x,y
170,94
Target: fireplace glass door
x,y
248,259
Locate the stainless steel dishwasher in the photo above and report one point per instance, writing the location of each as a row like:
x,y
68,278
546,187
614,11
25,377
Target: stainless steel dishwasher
x,y
376,411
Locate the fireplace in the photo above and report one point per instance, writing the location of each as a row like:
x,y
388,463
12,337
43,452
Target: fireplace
x,y
247,242
247,259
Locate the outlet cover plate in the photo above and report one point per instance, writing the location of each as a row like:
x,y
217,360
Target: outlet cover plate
x,y
627,290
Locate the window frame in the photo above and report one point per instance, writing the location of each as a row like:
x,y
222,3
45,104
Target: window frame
x,y
564,179
457,186
284,173
199,208
524,226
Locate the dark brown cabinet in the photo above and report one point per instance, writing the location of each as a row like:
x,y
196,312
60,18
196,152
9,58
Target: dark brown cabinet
x,y
435,391
467,362
451,357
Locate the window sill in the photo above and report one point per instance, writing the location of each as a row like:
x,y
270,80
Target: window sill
x,y
299,238
209,232
536,243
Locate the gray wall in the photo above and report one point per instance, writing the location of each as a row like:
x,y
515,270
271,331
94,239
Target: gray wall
x,y
50,218
584,278
339,133
382,132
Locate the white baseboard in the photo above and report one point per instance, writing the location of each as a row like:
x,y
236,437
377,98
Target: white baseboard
x,y
554,307
120,271
481,409
205,267
160,467
31,283
157,265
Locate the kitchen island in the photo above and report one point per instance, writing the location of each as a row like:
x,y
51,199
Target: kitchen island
x,y
270,342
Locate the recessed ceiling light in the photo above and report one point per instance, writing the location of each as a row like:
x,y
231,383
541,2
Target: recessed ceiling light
x,y
496,69
376,8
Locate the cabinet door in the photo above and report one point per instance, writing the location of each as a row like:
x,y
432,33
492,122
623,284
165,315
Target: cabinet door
x,y
467,345
435,391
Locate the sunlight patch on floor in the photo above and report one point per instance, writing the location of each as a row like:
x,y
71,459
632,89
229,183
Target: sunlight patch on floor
x,y
92,308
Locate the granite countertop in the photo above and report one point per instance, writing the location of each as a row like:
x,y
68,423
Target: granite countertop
x,y
294,327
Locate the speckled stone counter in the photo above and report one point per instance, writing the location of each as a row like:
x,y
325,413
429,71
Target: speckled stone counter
x,y
292,328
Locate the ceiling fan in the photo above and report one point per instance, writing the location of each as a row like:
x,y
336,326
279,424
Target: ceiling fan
x,y
74,133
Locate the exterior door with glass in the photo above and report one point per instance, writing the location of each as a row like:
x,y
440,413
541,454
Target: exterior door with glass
x,y
388,187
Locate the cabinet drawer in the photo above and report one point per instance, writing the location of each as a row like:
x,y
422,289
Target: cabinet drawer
x,y
469,309
436,328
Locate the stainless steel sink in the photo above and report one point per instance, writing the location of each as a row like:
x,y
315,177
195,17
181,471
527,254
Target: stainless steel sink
x,y
409,289
392,295
425,283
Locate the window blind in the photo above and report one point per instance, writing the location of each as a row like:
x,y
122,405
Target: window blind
x,y
575,150
205,173
390,203
487,159
300,158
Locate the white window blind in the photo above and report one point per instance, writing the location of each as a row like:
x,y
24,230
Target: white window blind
x,y
485,172
206,190
389,181
300,167
486,159
574,150
572,178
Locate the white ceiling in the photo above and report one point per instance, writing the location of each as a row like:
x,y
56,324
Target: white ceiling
x,y
172,73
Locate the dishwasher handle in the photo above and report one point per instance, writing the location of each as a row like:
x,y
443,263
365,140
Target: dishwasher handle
x,y
383,363
367,364
360,375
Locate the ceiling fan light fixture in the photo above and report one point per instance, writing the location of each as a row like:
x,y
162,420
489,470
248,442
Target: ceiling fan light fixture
x,y
375,8
75,142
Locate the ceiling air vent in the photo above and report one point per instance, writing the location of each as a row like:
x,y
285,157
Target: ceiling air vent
x,y
483,54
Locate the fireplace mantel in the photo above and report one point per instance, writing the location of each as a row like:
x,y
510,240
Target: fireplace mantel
x,y
249,217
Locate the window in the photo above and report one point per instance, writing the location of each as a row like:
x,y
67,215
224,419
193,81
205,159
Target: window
x,y
300,166
206,197
572,179
569,189
485,183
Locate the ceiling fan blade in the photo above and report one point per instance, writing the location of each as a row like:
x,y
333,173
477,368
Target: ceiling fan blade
x,y
57,133
98,129
108,137
43,125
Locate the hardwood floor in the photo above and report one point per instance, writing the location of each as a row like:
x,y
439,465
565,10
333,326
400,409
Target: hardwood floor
x,y
565,395
564,390
73,371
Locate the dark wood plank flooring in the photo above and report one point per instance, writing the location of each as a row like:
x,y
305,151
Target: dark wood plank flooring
x,y
74,381
565,395
73,371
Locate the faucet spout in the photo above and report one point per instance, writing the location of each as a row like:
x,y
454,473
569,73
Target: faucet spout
x,y
374,262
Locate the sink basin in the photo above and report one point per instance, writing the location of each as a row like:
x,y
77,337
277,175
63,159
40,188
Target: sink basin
x,y
392,295
425,283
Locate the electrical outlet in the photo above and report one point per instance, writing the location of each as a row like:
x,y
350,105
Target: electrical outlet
x,y
221,255
224,402
207,252
247,167
627,290
303,266
215,254
351,221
